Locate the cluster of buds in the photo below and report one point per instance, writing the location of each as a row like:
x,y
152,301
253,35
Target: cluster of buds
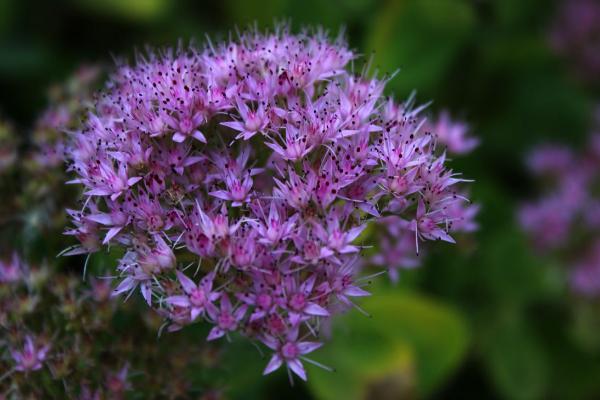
x,y
574,35
62,337
60,340
238,179
567,218
44,195
67,102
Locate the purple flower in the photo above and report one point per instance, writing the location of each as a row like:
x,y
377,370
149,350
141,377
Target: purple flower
x,y
343,285
11,271
261,161
274,227
238,189
226,318
337,238
117,383
293,147
101,289
31,357
133,276
585,276
185,126
550,160
395,254
300,303
198,298
567,216
252,121
453,134
289,351
426,225
548,221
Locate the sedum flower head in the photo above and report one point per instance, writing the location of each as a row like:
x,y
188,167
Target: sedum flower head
x,y
238,179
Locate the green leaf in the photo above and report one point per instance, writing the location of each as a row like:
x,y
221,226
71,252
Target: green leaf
x,y
421,38
515,358
137,10
410,345
312,13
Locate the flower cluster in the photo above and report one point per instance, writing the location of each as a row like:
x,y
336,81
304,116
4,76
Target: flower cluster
x,y
61,337
575,34
59,340
67,102
42,195
396,244
568,216
238,180
453,134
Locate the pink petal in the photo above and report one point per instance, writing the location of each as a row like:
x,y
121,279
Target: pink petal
x,y
270,342
294,318
187,284
179,301
98,192
178,137
125,285
348,249
440,233
221,194
315,309
146,293
236,125
101,218
325,252
308,347
111,233
273,364
298,368
115,196
134,180
215,333
354,232
198,135
355,292
239,313
195,312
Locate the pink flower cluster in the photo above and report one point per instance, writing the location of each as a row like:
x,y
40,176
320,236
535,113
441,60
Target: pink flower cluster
x,y
453,134
67,102
58,340
569,209
396,243
238,179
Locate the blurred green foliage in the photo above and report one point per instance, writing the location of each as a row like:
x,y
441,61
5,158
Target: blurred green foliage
x,y
409,346
485,319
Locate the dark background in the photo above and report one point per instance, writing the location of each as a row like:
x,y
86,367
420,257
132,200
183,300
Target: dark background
x,y
513,329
